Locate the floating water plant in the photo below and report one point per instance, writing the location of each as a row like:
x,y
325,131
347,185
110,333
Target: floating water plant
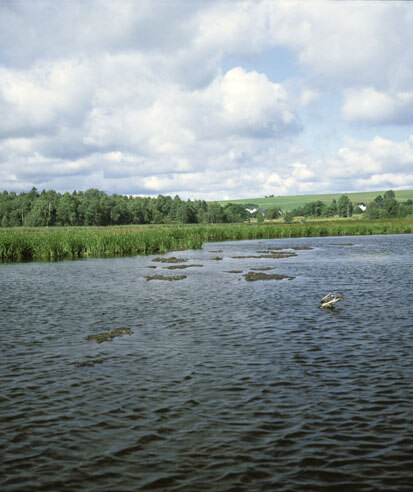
x,y
108,336
268,254
163,277
170,259
253,276
181,267
88,363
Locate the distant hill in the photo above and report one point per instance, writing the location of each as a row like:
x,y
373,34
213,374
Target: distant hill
x,y
291,202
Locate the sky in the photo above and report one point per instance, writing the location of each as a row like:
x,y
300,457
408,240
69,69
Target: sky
x,y
214,100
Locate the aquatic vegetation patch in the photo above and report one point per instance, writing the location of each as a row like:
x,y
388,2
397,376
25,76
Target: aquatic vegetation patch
x,y
181,267
150,266
164,277
170,259
277,254
108,336
269,254
88,363
232,271
217,258
296,248
216,251
254,276
263,269
341,244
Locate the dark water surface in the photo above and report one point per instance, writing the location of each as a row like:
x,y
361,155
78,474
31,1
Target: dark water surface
x,y
224,385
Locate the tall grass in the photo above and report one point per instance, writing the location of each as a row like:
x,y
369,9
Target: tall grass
x,y
53,244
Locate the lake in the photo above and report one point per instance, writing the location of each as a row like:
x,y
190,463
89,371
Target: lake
x,y
223,384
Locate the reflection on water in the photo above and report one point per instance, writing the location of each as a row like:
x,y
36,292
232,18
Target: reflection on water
x,y
224,384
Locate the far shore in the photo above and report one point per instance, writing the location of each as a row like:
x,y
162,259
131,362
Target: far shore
x,y
58,243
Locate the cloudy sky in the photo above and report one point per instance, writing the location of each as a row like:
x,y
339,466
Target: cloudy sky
x,y
206,99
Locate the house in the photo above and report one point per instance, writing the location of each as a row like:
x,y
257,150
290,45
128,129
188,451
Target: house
x,y
254,211
362,206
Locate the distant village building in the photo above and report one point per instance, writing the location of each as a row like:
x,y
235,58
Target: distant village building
x,y
262,210
362,206
253,210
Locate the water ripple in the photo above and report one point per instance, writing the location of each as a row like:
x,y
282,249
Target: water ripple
x,y
223,385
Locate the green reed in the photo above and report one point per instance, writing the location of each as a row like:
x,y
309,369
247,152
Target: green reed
x,y
25,244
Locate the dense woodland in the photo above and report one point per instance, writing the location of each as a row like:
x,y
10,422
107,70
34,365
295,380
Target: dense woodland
x,y
96,208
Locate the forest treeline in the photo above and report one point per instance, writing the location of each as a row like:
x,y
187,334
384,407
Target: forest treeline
x,y
96,208
382,207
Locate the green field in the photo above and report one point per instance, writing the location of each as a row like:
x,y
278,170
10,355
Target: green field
x,y
291,202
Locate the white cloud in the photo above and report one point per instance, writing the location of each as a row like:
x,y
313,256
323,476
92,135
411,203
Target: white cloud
x,y
367,44
252,101
302,172
132,97
368,164
371,106
39,99
308,96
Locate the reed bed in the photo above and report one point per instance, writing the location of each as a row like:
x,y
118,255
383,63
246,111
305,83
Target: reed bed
x,y
52,244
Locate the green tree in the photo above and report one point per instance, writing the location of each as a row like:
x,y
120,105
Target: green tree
x,y
67,210
390,207
139,211
214,214
379,201
331,210
406,208
235,213
344,206
90,209
373,211
260,217
119,211
174,208
273,213
39,215
314,209
298,212
389,195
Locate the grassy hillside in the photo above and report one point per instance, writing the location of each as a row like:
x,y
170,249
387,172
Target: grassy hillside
x,y
290,202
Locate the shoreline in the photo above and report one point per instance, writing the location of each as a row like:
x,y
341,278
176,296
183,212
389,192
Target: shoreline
x,y
62,243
